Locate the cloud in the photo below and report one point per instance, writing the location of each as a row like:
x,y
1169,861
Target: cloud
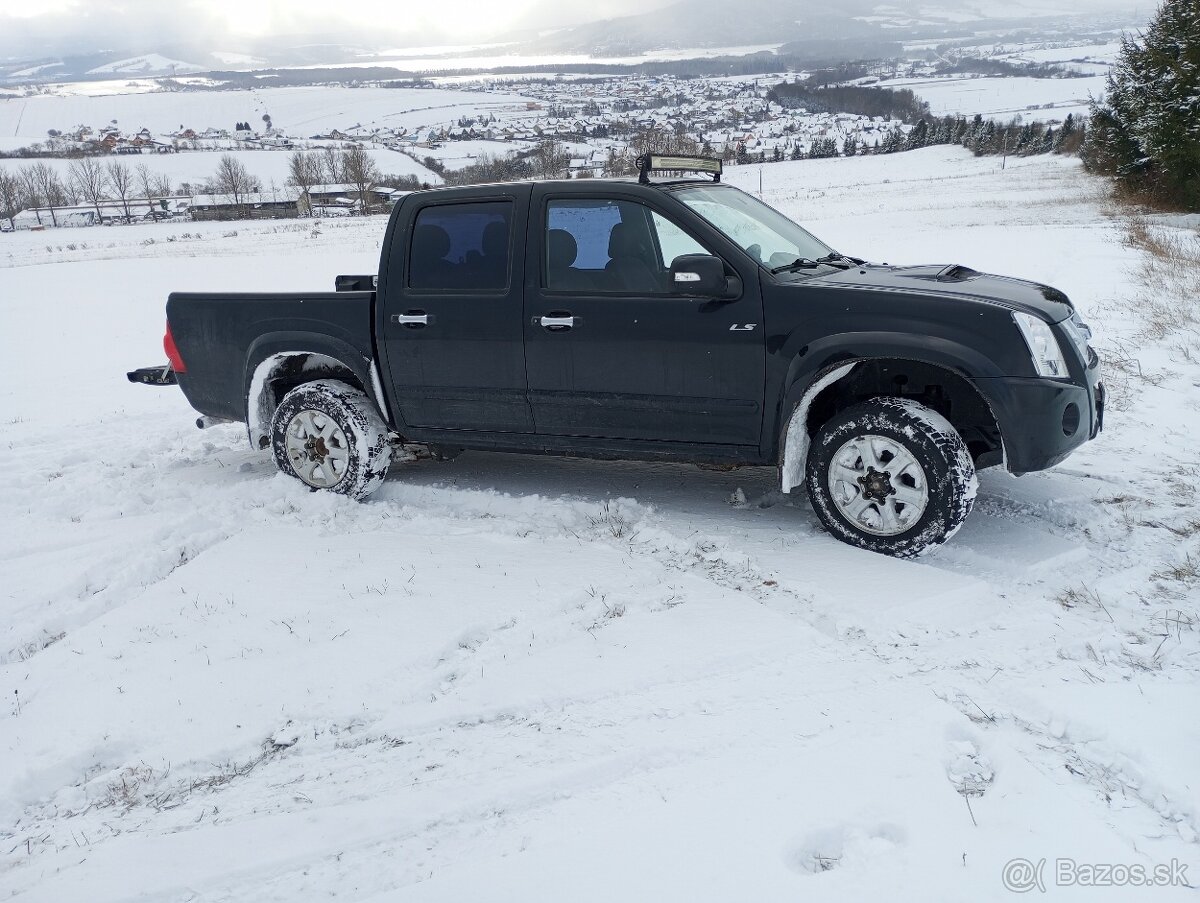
x,y
96,26
46,28
36,29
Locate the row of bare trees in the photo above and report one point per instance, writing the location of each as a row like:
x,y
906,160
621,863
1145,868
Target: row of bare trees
x,y
351,166
88,180
42,187
550,159
233,179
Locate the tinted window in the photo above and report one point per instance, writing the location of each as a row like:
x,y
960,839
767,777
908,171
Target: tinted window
x,y
610,246
464,247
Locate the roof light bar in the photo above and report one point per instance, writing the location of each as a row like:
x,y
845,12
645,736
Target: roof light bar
x,y
648,163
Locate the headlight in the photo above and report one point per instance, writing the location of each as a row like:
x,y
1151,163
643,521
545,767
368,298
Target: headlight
x,y
1079,332
1043,346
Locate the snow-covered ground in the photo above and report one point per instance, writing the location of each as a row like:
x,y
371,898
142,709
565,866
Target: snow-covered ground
x,y
519,678
299,111
139,65
1041,99
1033,99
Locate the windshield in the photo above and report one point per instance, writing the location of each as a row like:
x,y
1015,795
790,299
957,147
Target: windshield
x,y
763,232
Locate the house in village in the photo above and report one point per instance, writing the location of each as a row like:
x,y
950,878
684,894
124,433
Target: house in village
x,y
328,199
332,195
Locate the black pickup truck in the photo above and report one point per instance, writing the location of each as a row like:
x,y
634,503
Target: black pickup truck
x,y
677,319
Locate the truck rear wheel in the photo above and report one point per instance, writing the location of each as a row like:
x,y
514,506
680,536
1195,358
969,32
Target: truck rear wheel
x,y
892,476
329,436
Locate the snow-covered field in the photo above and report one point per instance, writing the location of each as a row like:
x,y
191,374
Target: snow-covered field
x,y
1042,99
518,678
300,112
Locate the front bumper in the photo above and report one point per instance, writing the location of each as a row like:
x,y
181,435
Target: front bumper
x,y
1044,420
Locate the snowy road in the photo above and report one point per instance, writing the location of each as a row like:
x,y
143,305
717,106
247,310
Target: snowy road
x,y
515,678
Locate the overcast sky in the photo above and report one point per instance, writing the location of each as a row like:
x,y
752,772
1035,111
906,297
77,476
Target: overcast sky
x,y
36,27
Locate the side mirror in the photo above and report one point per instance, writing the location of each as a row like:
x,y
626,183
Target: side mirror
x,y
703,276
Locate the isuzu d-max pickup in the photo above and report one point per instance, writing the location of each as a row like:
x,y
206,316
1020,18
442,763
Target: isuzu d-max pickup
x,y
673,318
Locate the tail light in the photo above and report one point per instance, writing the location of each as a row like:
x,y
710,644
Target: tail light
x,y
173,356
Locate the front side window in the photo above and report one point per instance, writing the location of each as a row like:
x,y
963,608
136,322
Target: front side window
x,y
461,247
610,246
763,232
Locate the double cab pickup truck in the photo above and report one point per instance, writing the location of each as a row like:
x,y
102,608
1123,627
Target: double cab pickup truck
x,y
667,318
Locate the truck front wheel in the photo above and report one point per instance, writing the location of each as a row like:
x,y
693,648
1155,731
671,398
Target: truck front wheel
x,y
329,436
892,476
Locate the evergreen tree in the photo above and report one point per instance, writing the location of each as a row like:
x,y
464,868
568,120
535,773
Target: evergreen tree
x,y
987,138
1065,133
823,148
894,140
1024,138
917,137
1145,131
973,134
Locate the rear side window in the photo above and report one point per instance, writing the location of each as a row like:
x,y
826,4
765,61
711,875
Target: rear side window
x,y
461,247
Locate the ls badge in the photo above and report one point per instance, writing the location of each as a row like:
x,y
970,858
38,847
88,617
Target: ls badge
x,y
742,327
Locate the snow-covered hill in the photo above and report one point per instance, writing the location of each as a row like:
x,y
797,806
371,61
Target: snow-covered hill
x,y
298,111
515,678
147,64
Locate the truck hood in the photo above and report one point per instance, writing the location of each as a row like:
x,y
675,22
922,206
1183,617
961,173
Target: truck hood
x,y
957,281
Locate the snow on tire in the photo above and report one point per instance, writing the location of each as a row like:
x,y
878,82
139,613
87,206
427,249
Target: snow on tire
x,y
892,476
330,436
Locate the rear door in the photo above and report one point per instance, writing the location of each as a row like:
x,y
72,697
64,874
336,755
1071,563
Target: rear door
x,y
610,353
451,317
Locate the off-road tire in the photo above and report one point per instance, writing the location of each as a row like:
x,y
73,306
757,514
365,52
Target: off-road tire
x,y
367,449
928,437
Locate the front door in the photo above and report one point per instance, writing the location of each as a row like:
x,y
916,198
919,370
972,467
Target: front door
x,y
610,353
452,317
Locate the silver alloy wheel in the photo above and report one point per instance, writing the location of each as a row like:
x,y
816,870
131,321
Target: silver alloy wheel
x,y
878,485
317,449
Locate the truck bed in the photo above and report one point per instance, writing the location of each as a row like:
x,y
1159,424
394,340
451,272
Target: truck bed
x,y
217,334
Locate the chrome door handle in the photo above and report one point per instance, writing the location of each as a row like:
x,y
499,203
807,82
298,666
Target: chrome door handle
x,y
557,322
413,319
